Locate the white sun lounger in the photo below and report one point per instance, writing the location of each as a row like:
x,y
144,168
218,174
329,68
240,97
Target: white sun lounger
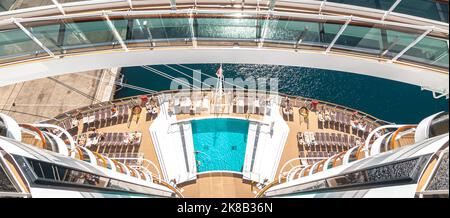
x,y
205,104
251,105
198,104
256,105
240,104
186,105
176,105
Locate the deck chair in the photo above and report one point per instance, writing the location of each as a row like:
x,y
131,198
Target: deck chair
x,y
197,104
320,124
240,105
205,104
352,141
346,142
251,105
336,121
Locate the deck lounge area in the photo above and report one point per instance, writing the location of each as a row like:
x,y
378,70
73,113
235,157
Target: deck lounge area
x,y
121,117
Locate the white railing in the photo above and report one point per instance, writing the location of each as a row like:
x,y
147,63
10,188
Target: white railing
x,y
144,164
293,168
340,18
284,171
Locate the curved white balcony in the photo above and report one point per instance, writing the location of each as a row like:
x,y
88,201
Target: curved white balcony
x,y
47,46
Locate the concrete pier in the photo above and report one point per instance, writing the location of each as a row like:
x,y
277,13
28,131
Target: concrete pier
x,y
42,99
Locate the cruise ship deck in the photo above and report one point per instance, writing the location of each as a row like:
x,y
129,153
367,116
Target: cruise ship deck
x,y
210,139
316,131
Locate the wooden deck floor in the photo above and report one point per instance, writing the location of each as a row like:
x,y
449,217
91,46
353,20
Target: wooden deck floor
x,y
221,184
146,148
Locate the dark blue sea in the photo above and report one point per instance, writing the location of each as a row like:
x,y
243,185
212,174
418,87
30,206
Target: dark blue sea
x,y
385,99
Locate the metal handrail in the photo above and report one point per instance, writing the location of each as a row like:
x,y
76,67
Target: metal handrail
x,y
311,6
196,12
427,30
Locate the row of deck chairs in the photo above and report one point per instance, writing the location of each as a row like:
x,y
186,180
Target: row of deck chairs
x,y
296,103
330,142
125,158
249,105
315,156
104,118
342,122
114,142
187,104
364,134
68,126
243,104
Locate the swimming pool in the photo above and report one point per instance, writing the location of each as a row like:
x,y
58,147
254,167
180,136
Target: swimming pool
x,y
219,144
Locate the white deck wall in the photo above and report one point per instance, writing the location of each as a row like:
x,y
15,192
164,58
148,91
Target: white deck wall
x,y
269,148
169,147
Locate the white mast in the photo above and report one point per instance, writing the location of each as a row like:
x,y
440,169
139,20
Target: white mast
x,y
219,85
218,93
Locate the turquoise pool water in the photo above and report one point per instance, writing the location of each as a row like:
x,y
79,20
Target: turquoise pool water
x,y
219,144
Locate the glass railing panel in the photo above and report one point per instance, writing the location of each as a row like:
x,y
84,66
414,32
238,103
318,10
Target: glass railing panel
x,y
5,5
430,9
301,33
161,31
14,43
121,25
228,28
429,50
174,28
361,39
375,40
89,35
48,34
442,61
330,31
396,41
292,31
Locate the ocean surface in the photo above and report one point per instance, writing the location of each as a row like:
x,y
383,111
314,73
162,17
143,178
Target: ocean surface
x,y
385,99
